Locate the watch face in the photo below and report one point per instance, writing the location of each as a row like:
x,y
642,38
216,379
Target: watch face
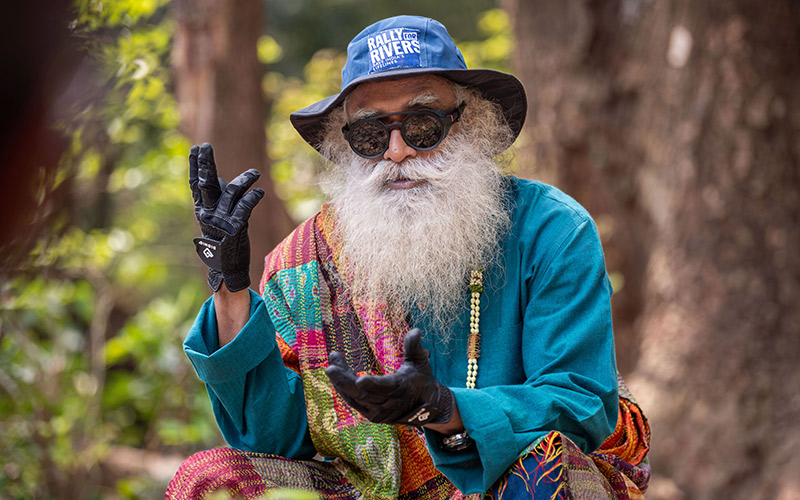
x,y
457,442
455,437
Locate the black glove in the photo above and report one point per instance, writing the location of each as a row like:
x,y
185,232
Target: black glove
x,y
222,211
411,395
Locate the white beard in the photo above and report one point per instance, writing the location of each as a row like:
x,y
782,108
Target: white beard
x,y
416,247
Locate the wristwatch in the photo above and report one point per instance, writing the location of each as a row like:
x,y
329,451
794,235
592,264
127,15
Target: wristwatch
x,y
457,442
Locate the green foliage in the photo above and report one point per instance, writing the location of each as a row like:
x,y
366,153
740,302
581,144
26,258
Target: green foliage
x,y
301,27
91,337
49,410
290,494
269,51
295,164
494,51
91,328
275,494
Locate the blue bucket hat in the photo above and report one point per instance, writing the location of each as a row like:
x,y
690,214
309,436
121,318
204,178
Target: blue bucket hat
x,y
406,46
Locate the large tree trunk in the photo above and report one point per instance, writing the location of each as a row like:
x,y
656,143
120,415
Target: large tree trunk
x,y
693,108
218,86
568,55
720,182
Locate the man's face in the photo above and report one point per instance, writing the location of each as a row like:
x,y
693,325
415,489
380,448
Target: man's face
x,y
408,94
413,224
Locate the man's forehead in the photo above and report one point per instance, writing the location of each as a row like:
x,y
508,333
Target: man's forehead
x,y
411,91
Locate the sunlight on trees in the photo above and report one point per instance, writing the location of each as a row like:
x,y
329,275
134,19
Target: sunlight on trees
x,y
91,326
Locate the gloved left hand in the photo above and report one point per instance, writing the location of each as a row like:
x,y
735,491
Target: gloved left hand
x,y
222,210
410,396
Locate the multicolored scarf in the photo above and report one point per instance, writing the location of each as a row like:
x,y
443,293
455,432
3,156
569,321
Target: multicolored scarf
x,y
315,314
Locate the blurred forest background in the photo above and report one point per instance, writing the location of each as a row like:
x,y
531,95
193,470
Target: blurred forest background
x,y
676,123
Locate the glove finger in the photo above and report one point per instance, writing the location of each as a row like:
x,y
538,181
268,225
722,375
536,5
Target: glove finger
x,y
208,182
245,206
344,380
235,189
347,391
367,412
412,348
193,168
341,375
336,359
382,388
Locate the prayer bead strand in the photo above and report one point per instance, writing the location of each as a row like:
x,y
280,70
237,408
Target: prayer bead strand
x,y
473,347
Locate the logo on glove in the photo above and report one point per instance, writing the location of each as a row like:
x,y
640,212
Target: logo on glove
x,y
206,249
420,416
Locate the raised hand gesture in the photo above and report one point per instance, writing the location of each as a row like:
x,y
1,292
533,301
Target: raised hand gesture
x,y
222,211
411,395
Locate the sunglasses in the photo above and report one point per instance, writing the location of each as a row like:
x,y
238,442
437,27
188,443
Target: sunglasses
x,y
422,130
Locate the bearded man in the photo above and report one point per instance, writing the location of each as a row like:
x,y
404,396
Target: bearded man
x,y
439,329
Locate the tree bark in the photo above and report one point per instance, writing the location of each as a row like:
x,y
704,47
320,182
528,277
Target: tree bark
x,y
720,130
218,87
685,116
569,55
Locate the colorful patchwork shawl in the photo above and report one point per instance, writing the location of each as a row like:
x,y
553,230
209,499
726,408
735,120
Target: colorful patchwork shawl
x,y
314,315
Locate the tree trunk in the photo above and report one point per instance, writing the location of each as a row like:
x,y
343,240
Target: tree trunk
x,y
687,115
569,54
218,87
720,132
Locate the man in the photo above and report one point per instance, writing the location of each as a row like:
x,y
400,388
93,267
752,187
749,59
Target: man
x,y
438,329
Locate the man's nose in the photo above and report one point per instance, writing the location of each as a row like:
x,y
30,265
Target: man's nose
x,y
398,149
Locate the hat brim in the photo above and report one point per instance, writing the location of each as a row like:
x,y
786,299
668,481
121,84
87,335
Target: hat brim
x,y
497,86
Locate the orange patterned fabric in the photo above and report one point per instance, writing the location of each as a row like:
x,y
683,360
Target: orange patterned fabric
x,y
250,476
288,356
630,440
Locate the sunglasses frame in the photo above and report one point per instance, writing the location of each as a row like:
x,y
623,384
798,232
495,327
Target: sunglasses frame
x,y
445,118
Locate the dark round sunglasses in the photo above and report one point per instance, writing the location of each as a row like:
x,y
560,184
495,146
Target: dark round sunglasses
x,y
421,129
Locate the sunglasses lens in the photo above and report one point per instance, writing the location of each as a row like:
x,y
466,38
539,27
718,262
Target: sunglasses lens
x,y
369,138
423,130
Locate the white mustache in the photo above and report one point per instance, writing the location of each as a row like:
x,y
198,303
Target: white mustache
x,y
415,169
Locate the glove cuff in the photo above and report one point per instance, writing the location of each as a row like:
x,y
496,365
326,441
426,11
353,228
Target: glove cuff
x,y
445,405
210,252
439,412
236,281
214,280
233,281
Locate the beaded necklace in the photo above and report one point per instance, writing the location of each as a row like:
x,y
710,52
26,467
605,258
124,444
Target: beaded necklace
x,y
474,344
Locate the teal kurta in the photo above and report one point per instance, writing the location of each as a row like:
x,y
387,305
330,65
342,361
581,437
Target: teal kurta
x,y
547,353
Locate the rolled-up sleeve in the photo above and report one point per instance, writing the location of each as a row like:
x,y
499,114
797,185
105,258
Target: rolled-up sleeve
x,y
258,402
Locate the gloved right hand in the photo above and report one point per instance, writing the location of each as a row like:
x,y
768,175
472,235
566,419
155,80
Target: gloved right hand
x,y
412,395
222,211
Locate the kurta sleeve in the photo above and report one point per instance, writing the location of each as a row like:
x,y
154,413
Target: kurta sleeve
x,y
258,402
568,380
